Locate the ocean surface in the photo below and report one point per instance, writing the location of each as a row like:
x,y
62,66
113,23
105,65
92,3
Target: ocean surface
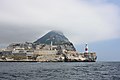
x,y
60,71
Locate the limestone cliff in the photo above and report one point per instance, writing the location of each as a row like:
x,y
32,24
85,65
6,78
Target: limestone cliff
x,y
57,38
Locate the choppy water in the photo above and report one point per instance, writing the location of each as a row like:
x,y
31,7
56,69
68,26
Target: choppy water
x,y
60,71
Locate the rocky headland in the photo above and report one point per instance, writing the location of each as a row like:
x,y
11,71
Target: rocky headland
x,y
52,47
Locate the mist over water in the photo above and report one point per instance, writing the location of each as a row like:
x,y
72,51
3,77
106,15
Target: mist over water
x,y
60,71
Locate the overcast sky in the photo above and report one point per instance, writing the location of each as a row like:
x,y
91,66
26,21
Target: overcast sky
x,y
80,20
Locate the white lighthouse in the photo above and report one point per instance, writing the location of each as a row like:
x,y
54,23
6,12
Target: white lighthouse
x,y
86,48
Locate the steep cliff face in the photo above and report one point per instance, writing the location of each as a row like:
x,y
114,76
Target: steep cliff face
x,y
56,38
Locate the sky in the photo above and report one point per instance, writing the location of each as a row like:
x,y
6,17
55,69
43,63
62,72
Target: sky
x,y
95,22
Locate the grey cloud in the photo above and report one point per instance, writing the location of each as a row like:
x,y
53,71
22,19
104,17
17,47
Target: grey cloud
x,y
15,33
81,21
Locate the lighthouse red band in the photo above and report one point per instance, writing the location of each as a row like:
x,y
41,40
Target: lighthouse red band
x,y
86,48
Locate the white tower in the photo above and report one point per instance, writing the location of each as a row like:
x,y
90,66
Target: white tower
x,y
51,45
86,48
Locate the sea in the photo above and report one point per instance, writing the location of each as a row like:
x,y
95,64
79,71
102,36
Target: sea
x,y
59,70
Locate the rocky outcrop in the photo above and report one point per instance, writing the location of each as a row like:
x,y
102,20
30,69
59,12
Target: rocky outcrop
x,y
56,38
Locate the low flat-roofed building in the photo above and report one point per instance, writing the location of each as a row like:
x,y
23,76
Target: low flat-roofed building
x,y
45,52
